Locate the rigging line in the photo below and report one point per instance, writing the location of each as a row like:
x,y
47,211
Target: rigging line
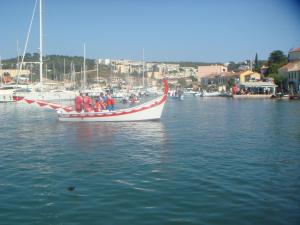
x,y
26,43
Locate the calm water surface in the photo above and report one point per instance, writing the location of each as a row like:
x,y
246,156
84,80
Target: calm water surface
x,y
208,161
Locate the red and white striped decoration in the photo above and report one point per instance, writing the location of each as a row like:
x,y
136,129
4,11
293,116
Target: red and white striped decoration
x,y
43,104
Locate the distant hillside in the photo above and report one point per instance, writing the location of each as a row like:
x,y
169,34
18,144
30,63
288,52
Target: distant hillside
x,y
54,64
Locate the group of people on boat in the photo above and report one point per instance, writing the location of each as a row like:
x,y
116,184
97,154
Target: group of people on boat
x,y
132,99
84,103
253,91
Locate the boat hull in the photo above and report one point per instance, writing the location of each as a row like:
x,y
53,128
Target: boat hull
x,y
151,110
252,96
6,98
48,96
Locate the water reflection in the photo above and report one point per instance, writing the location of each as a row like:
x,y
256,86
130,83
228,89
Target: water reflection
x,y
147,133
89,132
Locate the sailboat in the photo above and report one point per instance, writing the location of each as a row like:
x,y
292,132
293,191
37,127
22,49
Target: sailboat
x,y
7,89
39,91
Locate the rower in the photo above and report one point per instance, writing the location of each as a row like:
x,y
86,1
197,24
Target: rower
x,y
97,106
110,102
87,103
79,103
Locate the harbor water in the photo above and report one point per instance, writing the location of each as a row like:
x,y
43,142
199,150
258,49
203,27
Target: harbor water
x,y
208,161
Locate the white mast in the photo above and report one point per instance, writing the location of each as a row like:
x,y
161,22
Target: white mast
x,y
18,56
18,67
31,72
1,71
64,69
41,47
143,69
97,73
46,71
81,78
73,75
84,72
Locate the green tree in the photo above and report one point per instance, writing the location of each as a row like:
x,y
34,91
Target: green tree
x,y
277,57
276,60
256,65
194,79
231,82
182,82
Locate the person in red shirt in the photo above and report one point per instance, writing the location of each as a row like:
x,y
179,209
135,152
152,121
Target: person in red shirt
x,y
108,103
78,103
87,103
102,102
234,89
97,106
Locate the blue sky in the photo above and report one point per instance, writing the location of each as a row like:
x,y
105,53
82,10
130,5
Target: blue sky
x,y
178,30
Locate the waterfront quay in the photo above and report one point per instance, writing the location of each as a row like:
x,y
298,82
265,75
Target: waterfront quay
x,y
242,79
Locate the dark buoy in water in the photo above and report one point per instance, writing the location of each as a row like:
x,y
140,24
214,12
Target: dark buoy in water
x,y
71,188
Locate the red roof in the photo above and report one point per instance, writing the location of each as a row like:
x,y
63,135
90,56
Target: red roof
x,y
295,50
291,66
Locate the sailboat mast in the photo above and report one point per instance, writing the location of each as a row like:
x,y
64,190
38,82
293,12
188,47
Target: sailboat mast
x,y
84,69
97,72
41,47
143,69
0,71
18,55
64,69
19,66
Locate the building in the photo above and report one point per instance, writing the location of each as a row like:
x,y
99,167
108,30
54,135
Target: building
x,y
291,72
103,61
123,68
248,75
210,70
14,72
294,55
222,80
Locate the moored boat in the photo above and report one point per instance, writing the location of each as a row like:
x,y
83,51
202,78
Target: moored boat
x,y
7,91
51,95
211,94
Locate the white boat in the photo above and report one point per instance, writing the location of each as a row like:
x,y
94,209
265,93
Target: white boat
x,y
189,91
177,94
6,94
151,110
211,94
52,95
153,91
7,90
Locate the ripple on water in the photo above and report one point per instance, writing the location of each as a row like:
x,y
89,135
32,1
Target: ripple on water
x,y
209,161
